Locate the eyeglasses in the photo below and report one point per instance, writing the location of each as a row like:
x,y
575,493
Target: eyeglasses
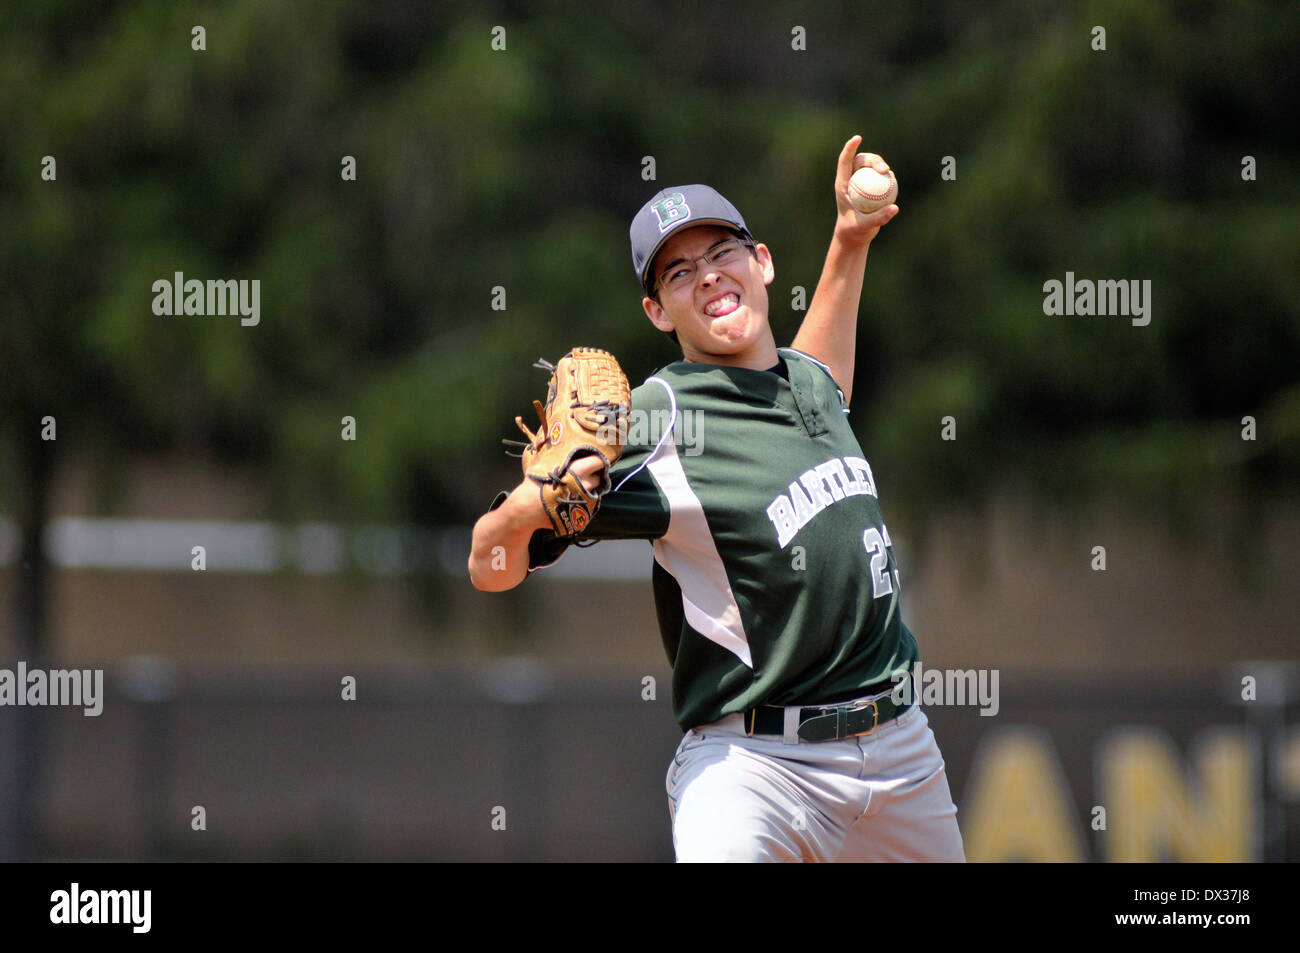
x,y
681,274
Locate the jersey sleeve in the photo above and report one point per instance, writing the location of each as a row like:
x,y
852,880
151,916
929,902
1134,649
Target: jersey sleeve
x,y
635,508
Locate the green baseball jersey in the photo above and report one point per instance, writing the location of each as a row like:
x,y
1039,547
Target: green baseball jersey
x,y
774,578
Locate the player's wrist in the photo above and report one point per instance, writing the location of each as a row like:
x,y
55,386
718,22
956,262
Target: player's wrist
x,y
524,509
849,238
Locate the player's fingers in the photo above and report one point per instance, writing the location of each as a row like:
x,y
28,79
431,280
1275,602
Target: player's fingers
x,y
588,470
844,168
869,223
864,159
880,217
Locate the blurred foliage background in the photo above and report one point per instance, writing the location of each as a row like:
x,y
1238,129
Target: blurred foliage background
x,y
521,168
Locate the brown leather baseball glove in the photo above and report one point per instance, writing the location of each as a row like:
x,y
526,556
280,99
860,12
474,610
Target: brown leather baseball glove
x,y
586,413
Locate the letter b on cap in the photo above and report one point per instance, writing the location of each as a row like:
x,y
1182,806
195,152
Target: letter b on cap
x,y
670,210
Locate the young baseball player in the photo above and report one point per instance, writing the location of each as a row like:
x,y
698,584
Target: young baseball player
x,y
774,578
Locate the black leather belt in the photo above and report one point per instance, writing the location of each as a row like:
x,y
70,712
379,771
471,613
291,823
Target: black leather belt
x,y
861,716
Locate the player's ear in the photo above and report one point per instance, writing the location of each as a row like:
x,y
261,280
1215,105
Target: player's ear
x,y
655,312
764,256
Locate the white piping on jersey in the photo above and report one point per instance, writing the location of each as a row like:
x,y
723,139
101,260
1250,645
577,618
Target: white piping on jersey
x,y
688,551
668,431
838,390
795,350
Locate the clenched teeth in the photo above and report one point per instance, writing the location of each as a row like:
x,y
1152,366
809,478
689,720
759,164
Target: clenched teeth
x,y
726,301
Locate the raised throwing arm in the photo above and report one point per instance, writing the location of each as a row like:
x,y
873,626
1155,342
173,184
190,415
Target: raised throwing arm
x,y
829,331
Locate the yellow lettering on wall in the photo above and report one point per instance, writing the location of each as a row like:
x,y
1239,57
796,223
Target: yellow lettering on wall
x,y
1019,806
1158,813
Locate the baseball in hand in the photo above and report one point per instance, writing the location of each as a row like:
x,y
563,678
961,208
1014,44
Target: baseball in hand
x,y
869,190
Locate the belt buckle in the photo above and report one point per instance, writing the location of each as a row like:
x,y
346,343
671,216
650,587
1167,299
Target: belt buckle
x,y
860,706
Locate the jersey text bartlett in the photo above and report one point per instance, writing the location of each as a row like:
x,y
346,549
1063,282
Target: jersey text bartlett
x,y
816,489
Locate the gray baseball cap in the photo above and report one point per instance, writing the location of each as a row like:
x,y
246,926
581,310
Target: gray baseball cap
x,y
671,209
